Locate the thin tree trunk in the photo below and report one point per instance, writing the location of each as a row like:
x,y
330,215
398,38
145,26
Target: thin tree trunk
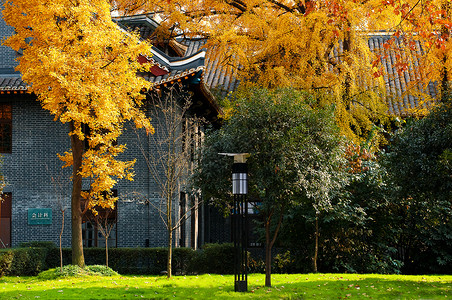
x,y
106,251
170,235
76,210
61,248
269,245
316,249
170,253
268,256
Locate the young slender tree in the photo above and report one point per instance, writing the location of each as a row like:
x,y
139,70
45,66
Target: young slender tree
x,y
83,70
60,187
171,158
104,220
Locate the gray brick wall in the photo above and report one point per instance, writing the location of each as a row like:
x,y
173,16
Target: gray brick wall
x,y
33,163
30,167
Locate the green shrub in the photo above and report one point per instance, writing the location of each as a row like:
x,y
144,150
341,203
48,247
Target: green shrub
x,y
6,259
53,257
28,261
283,263
100,270
215,259
136,261
182,258
68,271
129,260
256,265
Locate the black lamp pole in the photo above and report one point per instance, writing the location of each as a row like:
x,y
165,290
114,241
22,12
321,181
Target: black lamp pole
x,y
240,220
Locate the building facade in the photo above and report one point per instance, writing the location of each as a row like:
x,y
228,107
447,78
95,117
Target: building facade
x,y
38,190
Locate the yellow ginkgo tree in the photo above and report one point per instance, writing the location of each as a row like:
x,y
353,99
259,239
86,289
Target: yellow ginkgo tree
x,y
83,70
313,45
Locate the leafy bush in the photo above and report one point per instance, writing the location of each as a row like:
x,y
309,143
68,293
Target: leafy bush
x,y
23,261
6,259
76,271
100,270
215,259
53,257
130,260
256,265
283,263
182,258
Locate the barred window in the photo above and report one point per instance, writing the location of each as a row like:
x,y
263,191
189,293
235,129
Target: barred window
x,y
5,128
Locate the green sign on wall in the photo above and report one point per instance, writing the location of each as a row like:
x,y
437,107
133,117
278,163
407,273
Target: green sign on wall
x,y
39,216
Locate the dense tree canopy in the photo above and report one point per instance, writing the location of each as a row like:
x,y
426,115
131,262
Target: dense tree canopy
x,y
418,163
83,69
295,156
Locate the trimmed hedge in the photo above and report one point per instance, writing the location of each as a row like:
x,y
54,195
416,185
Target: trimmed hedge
x,y
6,259
29,261
151,261
214,259
23,261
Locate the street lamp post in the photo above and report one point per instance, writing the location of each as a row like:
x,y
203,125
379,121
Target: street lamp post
x,y
240,220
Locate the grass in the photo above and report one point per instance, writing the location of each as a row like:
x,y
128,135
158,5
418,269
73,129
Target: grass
x,y
295,286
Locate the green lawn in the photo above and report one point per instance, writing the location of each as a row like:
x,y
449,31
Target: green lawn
x,y
298,286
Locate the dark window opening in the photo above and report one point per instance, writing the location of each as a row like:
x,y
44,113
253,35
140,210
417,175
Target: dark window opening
x,y
95,228
182,207
5,128
5,220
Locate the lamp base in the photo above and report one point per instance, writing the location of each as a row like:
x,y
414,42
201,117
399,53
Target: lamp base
x,y
241,286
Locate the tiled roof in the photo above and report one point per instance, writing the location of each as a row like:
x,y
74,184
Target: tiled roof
x,y
143,24
178,68
223,79
401,87
12,83
219,78
173,76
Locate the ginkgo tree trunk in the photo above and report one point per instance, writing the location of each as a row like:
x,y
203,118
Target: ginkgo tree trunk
x,y
83,70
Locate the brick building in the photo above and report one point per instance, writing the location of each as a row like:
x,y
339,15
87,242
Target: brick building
x,y
38,189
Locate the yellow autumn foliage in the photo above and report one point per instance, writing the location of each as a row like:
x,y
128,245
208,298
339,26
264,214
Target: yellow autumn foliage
x,y
83,69
318,46
423,46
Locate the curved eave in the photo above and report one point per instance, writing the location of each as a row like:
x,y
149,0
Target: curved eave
x,y
12,84
210,98
169,64
172,77
13,91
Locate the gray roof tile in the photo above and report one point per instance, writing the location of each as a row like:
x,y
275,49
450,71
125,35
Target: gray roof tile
x,y
223,79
